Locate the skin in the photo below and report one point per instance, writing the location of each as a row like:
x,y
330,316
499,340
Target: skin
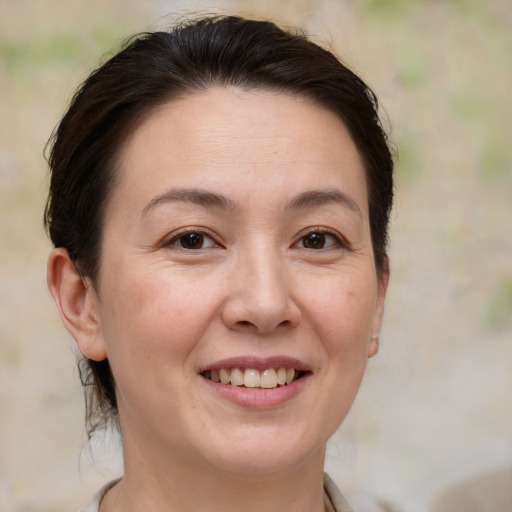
x,y
256,287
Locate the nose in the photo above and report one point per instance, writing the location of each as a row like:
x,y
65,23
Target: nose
x,y
260,298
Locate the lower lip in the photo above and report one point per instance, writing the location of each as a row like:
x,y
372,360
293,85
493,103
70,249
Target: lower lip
x,y
258,398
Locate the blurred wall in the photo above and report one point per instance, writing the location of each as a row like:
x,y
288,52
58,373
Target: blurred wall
x,y
436,403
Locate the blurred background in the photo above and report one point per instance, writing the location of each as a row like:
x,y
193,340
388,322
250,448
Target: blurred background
x,y
435,408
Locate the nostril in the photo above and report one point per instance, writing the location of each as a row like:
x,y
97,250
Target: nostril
x,y
247,324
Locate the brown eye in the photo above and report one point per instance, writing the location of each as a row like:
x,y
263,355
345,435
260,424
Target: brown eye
x,y
193,241
314,241
318,240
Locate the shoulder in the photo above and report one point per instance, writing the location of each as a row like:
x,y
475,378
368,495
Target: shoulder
x,y
93,505
336,500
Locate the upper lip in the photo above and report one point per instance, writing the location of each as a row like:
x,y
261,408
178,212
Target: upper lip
x,y
257,363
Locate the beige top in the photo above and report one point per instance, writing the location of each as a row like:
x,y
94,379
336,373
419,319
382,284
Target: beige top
x,y
334,501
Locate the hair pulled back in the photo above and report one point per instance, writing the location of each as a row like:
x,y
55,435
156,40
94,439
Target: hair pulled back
x,y
154,68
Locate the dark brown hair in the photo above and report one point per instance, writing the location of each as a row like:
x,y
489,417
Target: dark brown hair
x,y
154,68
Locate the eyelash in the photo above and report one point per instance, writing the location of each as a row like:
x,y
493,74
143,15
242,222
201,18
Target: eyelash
x,y
174,241
338,240
321,233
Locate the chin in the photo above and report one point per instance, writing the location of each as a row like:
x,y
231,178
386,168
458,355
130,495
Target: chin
x,y
265,455
260,468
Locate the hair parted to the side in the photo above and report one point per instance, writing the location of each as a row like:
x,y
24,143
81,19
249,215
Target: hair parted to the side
x,y
156,67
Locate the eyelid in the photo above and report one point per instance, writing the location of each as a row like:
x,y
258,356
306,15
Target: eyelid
x,y
340,239
170,240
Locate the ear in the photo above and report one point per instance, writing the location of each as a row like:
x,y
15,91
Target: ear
x,y
77,303
382,286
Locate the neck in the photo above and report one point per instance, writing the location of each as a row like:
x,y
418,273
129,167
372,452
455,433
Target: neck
x,y
179,483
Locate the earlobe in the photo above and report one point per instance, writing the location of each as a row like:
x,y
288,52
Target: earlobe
x,y
382,286
373,347
77,303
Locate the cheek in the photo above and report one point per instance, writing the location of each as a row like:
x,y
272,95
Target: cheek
x,y
156,315
345,317
149,329
342,324
343,310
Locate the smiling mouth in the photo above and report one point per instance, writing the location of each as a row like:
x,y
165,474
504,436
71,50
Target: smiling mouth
x,y
251,378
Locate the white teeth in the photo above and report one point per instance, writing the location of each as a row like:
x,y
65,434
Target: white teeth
x,y
251,378
268,379
224,376
237,377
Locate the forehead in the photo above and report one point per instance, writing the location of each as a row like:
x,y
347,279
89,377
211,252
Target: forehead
x,y
228,136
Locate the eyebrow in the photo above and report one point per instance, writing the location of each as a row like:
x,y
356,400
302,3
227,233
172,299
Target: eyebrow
x,y
309,199
191,195
314,198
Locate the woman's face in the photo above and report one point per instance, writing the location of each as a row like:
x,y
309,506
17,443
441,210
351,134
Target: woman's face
x,y
236,243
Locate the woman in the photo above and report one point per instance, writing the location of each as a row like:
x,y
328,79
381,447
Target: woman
x,y
219,203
